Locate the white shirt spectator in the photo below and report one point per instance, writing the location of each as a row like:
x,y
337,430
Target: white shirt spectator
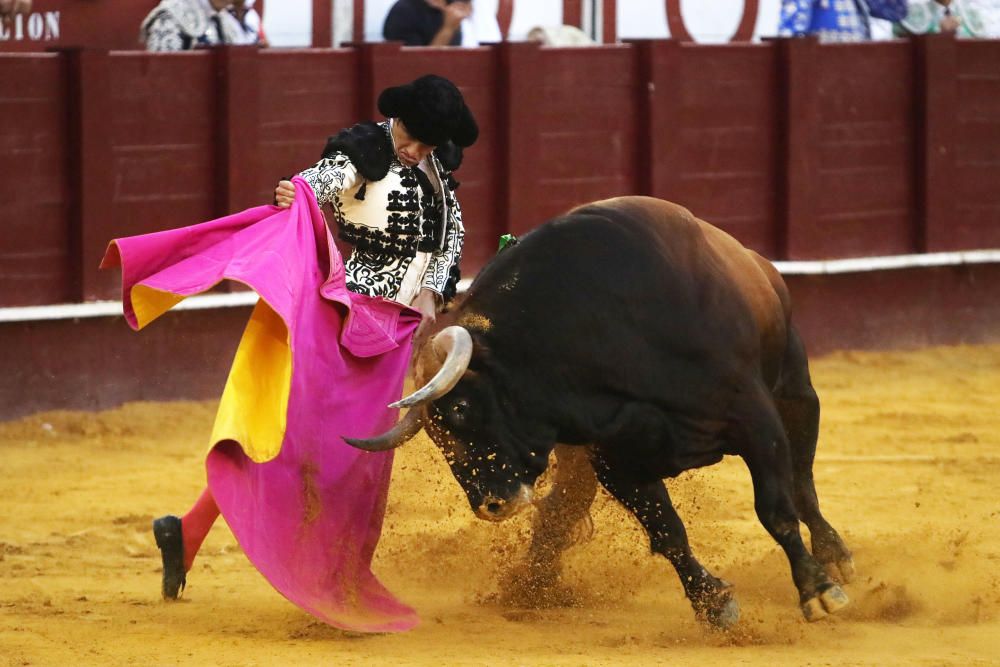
x,y
482,27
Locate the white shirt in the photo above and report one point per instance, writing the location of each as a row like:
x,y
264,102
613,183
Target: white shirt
x,y
482,26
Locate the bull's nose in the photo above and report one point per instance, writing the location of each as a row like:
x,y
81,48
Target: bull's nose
x,y
496,508
492,508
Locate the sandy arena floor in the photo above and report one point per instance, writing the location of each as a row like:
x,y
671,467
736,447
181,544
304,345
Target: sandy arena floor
x,y
908,470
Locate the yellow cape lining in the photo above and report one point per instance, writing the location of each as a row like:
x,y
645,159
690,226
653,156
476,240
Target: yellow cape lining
x,y
254,404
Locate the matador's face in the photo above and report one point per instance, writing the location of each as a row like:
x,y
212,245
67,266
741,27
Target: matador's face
x,y
409,150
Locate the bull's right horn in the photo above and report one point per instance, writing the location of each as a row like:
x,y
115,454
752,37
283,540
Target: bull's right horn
x,y
456,343
406,428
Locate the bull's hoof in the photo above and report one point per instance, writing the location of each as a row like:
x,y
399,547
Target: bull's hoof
x,y
724,616
830,601
842,571
813,610
720,610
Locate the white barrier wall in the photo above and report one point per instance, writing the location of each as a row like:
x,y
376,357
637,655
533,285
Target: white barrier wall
x,y
527,15
289,23
708,21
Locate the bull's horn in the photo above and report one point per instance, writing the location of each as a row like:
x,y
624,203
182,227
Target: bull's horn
x,y
405,428
456,342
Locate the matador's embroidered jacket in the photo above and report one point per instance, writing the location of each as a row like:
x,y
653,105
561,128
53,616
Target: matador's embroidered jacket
x,y
404,222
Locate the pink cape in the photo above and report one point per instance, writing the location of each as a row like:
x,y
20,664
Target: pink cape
x,y
316,362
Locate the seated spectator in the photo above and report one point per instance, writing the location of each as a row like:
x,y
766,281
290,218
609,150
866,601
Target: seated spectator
x,y
427,22
250,22
560,35
181,25
829,20
839,20
962,19
8,8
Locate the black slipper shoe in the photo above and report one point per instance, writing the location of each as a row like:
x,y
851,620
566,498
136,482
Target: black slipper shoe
x,y
167,531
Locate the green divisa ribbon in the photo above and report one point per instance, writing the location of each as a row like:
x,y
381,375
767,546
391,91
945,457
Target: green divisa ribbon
x,y
506,240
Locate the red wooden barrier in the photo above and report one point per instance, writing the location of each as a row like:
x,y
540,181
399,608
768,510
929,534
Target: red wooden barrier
x,y
237,130
93,363
712,141
907,308
977,146
34,247
303,97
505,14
150,158
573,13
800,150
572,128
322,24
851,133
91,24
92,174
936,88
108,24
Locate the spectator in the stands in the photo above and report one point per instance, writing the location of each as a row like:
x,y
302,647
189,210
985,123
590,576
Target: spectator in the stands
x,y
250,21
560,35
958,17
8,8
427,22
181,25
836,20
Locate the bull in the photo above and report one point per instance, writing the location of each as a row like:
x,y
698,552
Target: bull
x,y
653,342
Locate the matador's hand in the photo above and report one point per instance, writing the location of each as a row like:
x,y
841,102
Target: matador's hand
x,y
426,303
284,194
457,12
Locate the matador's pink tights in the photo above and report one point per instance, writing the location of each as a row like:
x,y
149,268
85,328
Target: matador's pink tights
x,y
196,524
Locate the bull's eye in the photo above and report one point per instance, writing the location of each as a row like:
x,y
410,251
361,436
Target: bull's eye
x,y
458,413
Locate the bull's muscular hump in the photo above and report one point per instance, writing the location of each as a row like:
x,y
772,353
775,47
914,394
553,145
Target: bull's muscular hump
x,y
717,258
656,341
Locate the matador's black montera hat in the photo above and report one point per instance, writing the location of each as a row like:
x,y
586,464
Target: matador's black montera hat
x,y
433,111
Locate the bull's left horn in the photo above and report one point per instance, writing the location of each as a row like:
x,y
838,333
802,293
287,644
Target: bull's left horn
x,y
406,428
456,342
